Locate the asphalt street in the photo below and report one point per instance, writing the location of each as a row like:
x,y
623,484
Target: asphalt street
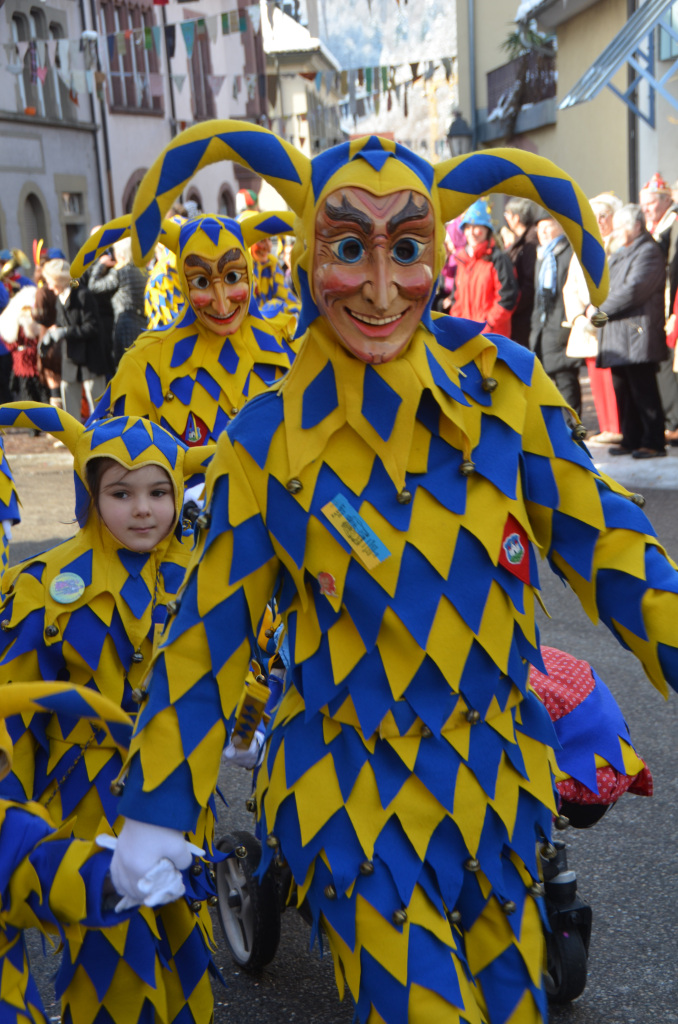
x,y
627,865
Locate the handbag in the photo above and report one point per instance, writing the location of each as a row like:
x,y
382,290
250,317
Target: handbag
x,y
583,340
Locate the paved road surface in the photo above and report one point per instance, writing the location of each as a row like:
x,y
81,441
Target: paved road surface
x,y
627,865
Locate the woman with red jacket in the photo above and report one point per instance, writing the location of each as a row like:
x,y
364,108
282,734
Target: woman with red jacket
x,y
485,285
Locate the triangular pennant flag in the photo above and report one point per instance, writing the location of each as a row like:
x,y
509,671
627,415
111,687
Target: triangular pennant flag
x,y
318,81
215,83
368,80
224,24
270,7
251,84
242,23
212,27
89,81
384,78
157,37
156,84
148,38
414,68
233,21
188,32
254,12
170,39
42,74
179,81
138,37
120,44
447,64
201,27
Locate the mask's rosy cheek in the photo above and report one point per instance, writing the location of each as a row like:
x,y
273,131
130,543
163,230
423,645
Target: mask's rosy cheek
x,y
199,300
239,293
336,280
415,281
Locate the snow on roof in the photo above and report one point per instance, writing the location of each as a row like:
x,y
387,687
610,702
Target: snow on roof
x,y
286,35
525,8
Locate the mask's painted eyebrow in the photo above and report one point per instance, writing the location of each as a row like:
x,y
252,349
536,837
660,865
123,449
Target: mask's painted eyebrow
x,y
194,261
410,211
349,212
230,256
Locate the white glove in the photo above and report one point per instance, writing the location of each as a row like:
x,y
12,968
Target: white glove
x,y
138,852
53,335
162,884
245,758
195,493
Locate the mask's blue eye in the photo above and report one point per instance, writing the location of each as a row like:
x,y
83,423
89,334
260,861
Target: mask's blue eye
x,y
407,250
349,250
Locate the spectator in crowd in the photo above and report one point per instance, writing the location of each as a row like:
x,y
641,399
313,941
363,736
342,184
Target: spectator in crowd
x,y
454,239
548,335
70,314
583,340
520,215
657,203
485,285
125,283
632,341
20,333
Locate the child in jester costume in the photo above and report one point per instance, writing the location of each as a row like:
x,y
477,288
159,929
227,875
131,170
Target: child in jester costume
x,y
193,375
88,611
393,494
48,880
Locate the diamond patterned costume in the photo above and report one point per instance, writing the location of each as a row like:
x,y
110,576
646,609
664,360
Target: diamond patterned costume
x,y
396,512
9,507
182,376
101,639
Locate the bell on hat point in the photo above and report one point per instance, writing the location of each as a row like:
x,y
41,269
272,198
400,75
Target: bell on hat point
x,y
490,384
467,467
599,318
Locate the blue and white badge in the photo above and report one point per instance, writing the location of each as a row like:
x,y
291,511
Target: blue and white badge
x,y
67,587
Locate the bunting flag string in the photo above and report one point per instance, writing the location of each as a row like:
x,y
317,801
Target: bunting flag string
x,y
357,87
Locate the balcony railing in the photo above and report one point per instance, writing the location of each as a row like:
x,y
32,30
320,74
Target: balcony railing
x,y
539,71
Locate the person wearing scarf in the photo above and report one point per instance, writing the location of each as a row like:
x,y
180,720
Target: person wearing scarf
x,y
548,336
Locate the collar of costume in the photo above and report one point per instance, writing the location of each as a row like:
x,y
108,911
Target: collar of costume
x,y
328,388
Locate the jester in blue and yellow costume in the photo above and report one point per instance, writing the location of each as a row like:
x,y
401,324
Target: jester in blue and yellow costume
x,y
193,375
270,289
394,494
88,612
9,508
49,881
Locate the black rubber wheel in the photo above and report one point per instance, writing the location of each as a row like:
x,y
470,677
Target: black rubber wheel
x,y
565,978
248,909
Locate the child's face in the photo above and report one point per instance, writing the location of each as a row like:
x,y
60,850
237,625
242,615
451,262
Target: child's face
x,y
137,505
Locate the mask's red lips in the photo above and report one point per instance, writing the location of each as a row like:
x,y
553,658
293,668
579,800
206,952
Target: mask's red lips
x,y
376,326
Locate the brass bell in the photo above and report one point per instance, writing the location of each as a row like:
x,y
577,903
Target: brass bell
x,y
260,678
172,607
404,497
212,901
138,695
169,396
638,500
399,916
579,432
472,864
454,916
548,851
51,631
269,633
273,842
536,889
561,822
196,868
234,410
240,852
367,868
294,485
330,892
467,468
472,716
251,804
599,318
203,520
196,905
5,624
489,384
426,732
137,657
116,788
509,907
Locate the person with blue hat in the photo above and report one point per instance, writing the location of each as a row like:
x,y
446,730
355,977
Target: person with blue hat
x,y
485,287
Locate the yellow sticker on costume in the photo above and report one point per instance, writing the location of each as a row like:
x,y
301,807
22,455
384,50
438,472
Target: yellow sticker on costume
x,y
67,587
356,532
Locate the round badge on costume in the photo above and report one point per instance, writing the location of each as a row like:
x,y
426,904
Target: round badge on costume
x,y
67,587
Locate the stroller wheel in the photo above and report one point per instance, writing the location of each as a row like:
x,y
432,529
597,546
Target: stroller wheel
x,y
565,977
248,907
